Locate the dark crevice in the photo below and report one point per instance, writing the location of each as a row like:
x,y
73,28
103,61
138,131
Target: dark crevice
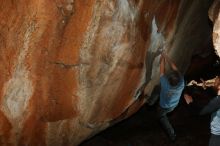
x,y
68,66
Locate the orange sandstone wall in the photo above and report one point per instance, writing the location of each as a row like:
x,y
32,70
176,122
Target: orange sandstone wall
x,y
71,68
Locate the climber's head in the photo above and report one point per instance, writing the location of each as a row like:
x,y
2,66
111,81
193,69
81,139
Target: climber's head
x,y
174,78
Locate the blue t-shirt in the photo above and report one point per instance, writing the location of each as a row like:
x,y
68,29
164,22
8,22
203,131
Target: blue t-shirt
x,y
169,95
215,123
213,107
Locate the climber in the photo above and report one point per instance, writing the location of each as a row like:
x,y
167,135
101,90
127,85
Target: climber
x,y
214,107
195,89
171,87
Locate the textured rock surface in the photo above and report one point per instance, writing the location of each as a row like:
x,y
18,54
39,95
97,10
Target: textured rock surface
x,y
214,15
71,68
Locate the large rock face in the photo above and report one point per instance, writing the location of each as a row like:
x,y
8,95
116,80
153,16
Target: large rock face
x,y
214,15
71,68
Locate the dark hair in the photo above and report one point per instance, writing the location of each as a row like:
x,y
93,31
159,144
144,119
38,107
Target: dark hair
x,y
174,78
